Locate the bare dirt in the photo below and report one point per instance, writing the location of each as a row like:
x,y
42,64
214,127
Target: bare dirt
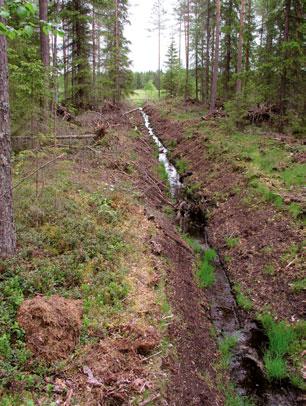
x,y
52,326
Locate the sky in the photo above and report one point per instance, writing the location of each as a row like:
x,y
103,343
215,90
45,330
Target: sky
x,y
144,45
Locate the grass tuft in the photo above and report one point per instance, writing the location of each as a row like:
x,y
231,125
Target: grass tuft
x,y
206,271
243,301
275,366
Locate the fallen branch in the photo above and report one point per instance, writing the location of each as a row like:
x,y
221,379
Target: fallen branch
x,y
129,112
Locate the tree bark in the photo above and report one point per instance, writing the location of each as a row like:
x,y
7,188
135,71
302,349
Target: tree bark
x,y
283,86
213,98
248,45
207,51
7,229
44,38
187,47
228,45
240,47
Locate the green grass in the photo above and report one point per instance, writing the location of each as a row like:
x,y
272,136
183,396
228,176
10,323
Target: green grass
x,y
232,242
193,243
233,399
295,175
140,96
181,166
299,285
226,347
162,173
275,366
285,344
242,300
206,270
269,269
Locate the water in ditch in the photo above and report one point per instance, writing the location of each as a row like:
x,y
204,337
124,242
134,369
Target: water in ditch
x,y
246,369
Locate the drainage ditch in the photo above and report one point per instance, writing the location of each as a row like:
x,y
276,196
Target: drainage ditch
x,y
246,366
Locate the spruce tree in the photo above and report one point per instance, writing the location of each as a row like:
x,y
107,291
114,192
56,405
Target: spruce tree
x,y
171,76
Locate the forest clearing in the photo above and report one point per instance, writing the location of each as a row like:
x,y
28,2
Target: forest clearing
x,y
152,205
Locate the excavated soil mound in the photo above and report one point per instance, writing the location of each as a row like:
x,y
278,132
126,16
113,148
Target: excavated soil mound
x,y
52,326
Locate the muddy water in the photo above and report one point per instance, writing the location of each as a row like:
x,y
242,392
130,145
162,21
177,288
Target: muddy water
x,y
246,369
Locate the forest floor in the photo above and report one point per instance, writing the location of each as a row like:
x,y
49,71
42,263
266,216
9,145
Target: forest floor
x,y
104,285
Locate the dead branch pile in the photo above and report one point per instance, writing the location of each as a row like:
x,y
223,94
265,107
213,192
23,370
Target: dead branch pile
x,y
63,112
262,113
218,113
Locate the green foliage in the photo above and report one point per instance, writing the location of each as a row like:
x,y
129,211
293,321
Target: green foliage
x,y
299,285
242,300
284,341
269,269
276,367
71,245
226,347
233,399
27,82
181,166
171,77
206,270
232,242
162,173
194,244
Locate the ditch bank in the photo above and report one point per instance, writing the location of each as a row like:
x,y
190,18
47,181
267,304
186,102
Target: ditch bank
x,y
246,366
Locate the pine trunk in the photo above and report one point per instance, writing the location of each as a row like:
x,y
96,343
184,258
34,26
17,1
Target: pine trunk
x,y
44,38
228,44
283,86
187,47
216,58
240,47
207,52
248,45
7,229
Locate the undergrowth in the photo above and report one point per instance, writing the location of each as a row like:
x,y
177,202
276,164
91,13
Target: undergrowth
x,y
71,244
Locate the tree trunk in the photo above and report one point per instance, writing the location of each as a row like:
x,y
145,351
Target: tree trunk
x,y
159,56
240,47
228,45
117,61
7,229
196,46
283,86
248,45
44,38
213,98
94,53
207,51
187,47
